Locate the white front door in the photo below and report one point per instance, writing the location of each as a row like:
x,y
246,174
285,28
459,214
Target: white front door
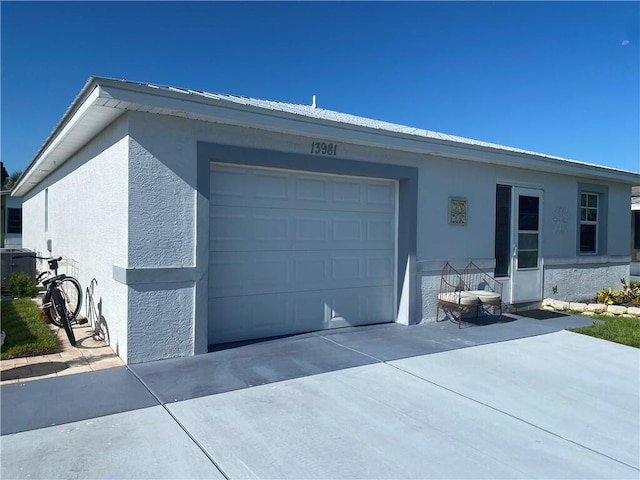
x,y
526,232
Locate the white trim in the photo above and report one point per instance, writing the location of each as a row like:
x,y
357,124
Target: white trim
x,y
155,275
396,227
103,100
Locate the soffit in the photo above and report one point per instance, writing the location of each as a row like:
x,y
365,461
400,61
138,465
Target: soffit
x,y
102,100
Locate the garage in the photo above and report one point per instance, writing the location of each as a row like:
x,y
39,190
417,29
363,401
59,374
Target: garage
x,y
293,252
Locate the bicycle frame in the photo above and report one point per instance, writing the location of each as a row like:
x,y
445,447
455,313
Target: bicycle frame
x,y
57,299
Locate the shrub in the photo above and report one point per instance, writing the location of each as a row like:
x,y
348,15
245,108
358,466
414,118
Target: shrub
x,y
608,296
21,285
628,295
630,292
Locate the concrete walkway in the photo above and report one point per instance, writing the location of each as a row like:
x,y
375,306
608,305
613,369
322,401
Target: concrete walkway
x,y
520,399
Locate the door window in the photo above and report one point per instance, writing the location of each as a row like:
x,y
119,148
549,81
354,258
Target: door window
x,y
528,231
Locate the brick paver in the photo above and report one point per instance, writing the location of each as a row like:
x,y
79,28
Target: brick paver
x,y
91,353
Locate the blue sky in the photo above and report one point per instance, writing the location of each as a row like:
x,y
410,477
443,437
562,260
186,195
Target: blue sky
x,y
553,77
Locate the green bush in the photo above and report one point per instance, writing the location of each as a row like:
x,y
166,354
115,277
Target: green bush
x,y
628,295
608,296
21,285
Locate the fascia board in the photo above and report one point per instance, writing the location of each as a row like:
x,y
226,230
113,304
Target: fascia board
x,y
108,94
541,164
221,111
46,161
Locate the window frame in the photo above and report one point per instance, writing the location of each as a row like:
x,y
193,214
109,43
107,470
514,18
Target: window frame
x,y
11,222
602,191
587,208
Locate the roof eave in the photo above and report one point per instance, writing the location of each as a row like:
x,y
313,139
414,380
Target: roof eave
x,y
102,100
66,138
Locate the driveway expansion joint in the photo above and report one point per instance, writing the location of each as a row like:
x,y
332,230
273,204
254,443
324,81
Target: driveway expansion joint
x,y
538,427
182,427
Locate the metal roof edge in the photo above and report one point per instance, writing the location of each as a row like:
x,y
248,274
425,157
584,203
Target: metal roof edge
x,y
235,102
404,137
66,116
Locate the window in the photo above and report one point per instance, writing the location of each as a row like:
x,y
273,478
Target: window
x,y
588,222
14,220
528,231
636,230
46,210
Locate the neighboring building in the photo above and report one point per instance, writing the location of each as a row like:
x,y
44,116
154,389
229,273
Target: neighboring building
x,y
11,221
198,218
635,230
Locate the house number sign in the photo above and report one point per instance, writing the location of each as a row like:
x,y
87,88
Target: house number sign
x,y
323,148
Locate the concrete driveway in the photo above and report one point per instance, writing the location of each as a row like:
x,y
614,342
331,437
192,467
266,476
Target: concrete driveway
x,y
521,399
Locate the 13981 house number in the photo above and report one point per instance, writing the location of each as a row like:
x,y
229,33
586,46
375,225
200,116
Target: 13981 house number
x,y
322,148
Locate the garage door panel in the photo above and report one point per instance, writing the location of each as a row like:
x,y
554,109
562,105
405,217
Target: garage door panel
x,y
379,266
244,318
257,273
311,228
294,252
310,270
258,229
227,274
269,271
295,190
379,231
312,189
378,305
381,194
347,267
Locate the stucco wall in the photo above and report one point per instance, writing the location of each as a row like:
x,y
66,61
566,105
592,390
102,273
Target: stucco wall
x,y
162,225
162,229
619,217
87,210
581,282
171,142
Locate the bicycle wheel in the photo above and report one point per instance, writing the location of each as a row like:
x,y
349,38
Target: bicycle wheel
x,y
57,301
72,293
50,310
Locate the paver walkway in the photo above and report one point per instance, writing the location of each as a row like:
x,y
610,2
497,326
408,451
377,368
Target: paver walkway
x,y
90,354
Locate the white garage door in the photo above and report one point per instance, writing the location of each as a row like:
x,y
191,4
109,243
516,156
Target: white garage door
x,y
295,252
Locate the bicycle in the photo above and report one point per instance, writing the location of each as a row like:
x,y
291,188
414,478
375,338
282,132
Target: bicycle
x,y
63,298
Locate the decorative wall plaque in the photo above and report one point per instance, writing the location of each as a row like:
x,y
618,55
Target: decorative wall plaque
x,y
457,211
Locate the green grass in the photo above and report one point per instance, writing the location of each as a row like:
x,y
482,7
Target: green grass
x,y
622,330
27,334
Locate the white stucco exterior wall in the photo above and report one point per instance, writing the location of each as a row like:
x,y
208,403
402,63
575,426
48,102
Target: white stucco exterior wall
x,y
162,229
87,222
164,148
127,209
574,276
